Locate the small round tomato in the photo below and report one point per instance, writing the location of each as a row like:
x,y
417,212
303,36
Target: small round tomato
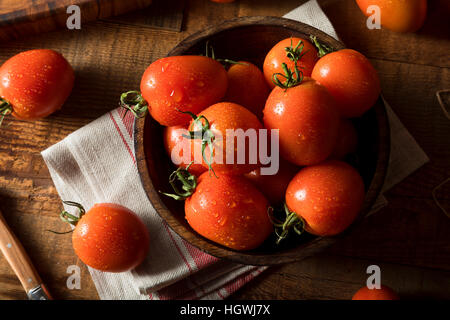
x,y
274,186
327,196
384,293
35,83
347,140
351,79
300,49
230,211
307,120
228,123
110,238
399,16
247,87
173,138
182,83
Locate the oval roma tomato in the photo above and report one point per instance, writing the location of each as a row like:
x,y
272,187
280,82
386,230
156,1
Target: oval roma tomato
x,y
110,238
230,211
307,120
229,122
384,293
327,196
173,137
247,87
399,16
182,83
274,186
36,83
302,49
347,140
351,79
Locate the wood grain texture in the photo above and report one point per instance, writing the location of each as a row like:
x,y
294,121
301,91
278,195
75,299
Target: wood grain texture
x,y
409,238
20,18
248,39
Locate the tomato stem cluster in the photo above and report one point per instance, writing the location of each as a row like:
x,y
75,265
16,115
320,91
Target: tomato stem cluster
x,y
5,109
134,102
70,218
188,184
292,78
321,48
205,134
291,221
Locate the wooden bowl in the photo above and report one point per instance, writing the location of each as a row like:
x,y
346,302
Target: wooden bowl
x,y
250,38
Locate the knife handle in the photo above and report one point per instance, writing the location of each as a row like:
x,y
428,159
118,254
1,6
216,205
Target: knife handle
x,y
18,259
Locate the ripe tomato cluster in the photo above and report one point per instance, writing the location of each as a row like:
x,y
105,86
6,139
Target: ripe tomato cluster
x,y
307,94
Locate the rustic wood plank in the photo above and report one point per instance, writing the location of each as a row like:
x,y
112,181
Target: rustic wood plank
x,y
409,237
325,277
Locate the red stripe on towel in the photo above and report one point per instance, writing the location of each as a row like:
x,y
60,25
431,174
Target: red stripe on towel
x,y
123,138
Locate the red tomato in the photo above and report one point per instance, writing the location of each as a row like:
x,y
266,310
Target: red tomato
x,y
384,293
347,140
110,238
277,55
225,116
351,79
230,211
247,87
400,15
274,186
328,197
36,83
173,137
186,83
307,120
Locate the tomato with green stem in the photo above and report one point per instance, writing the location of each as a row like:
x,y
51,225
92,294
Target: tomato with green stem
x,y
307,119
227,209
34,84
108,237
171,84
220,132
294,53
327,197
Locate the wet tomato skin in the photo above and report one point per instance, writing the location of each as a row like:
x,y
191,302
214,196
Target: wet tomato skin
x,y
277,55
307,120
328,197
351,80
111,238
384,293
225,116
230,211
36,83
186,83
247,87
173,137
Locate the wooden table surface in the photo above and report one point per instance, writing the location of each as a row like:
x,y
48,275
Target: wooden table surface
x,y
409,239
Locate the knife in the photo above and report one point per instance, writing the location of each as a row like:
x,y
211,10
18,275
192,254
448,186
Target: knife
x,y
21,264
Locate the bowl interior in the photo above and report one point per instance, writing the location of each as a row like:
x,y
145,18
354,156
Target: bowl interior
x,y
250,39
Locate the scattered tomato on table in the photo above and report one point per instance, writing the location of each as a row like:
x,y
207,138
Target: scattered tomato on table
x,y
384,293
109,237
400,15
34,84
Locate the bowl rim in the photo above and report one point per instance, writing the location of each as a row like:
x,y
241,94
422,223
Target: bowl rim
x,y
305,249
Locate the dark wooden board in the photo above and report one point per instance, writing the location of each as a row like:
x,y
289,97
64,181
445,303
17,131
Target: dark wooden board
x,y
26,17
408,239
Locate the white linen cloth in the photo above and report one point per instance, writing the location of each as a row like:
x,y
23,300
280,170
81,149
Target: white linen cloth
x,y
97,164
